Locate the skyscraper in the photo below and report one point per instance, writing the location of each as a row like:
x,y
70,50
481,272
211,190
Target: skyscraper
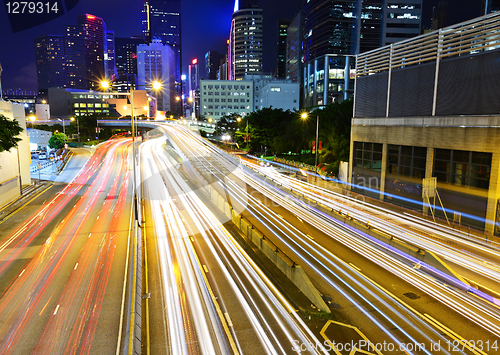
x,y
245,40
126,62
156,62
282,47
161,19
194,77
94,40
212,59
335,31
111,59
50,61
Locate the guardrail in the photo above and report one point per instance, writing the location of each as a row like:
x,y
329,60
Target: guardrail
x,y
42,166
300,165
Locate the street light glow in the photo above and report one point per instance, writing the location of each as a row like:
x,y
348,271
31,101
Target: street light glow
x,y
105,84
156,85
304,115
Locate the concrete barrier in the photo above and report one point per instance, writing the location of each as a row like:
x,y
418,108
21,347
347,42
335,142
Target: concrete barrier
x,y
291,270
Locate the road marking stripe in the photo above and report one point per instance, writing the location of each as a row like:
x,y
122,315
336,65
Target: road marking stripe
x,y
228,319
309,236
354,266
89,235
76,266
280,216
57,308
192,239
205,268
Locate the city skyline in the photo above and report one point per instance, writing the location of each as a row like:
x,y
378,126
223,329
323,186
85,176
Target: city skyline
x,y
19,62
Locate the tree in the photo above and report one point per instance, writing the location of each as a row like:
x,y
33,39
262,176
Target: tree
x,y
9,133
57,140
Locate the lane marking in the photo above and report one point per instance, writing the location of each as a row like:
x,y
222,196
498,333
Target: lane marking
x,y
205,268
97,217
280,216
22,272
57,308
229,323
89,235
309,236
192,239
76,266
354,266
299,219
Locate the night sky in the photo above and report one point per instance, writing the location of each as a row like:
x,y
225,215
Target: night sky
x,y
205,26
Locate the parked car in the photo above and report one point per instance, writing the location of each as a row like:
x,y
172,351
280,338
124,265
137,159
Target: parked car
x,y
42,156
35,154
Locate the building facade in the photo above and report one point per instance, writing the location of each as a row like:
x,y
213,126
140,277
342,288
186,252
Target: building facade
x,y
402,20
223,97
126,62
428,107
77,59
294,49
156,62
334,32
16,162
245,41
50,61
212,61
282,47
161,19
279,94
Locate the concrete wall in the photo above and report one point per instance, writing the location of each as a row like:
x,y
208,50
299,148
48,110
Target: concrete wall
x,y
15,160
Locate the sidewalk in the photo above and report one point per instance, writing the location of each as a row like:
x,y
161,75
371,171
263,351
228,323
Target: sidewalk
x,y
69,171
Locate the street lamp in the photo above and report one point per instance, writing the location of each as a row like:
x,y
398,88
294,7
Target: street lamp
x,y
72,119
32,120
304,116
246,136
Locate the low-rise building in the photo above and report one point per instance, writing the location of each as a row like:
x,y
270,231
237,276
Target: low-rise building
x,y
39,139
222,97
14,164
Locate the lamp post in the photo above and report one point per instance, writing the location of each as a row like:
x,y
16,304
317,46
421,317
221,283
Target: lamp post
x,y
304,116
72,119
246,136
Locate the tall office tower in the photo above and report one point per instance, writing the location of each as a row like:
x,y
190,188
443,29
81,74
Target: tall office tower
x,y
335,31
294,48
402,21
126,62
50,62
111,58
161,19
282,47
156,62
95,47
370,25
439,12
212,59
194,77
245,40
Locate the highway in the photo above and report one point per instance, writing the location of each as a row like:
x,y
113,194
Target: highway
x,y
368,280
65,266
217,299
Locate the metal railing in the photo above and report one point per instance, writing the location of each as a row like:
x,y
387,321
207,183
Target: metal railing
x,y
478,35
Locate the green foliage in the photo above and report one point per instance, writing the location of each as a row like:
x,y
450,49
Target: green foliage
x,y
57,140
9,133
284,131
